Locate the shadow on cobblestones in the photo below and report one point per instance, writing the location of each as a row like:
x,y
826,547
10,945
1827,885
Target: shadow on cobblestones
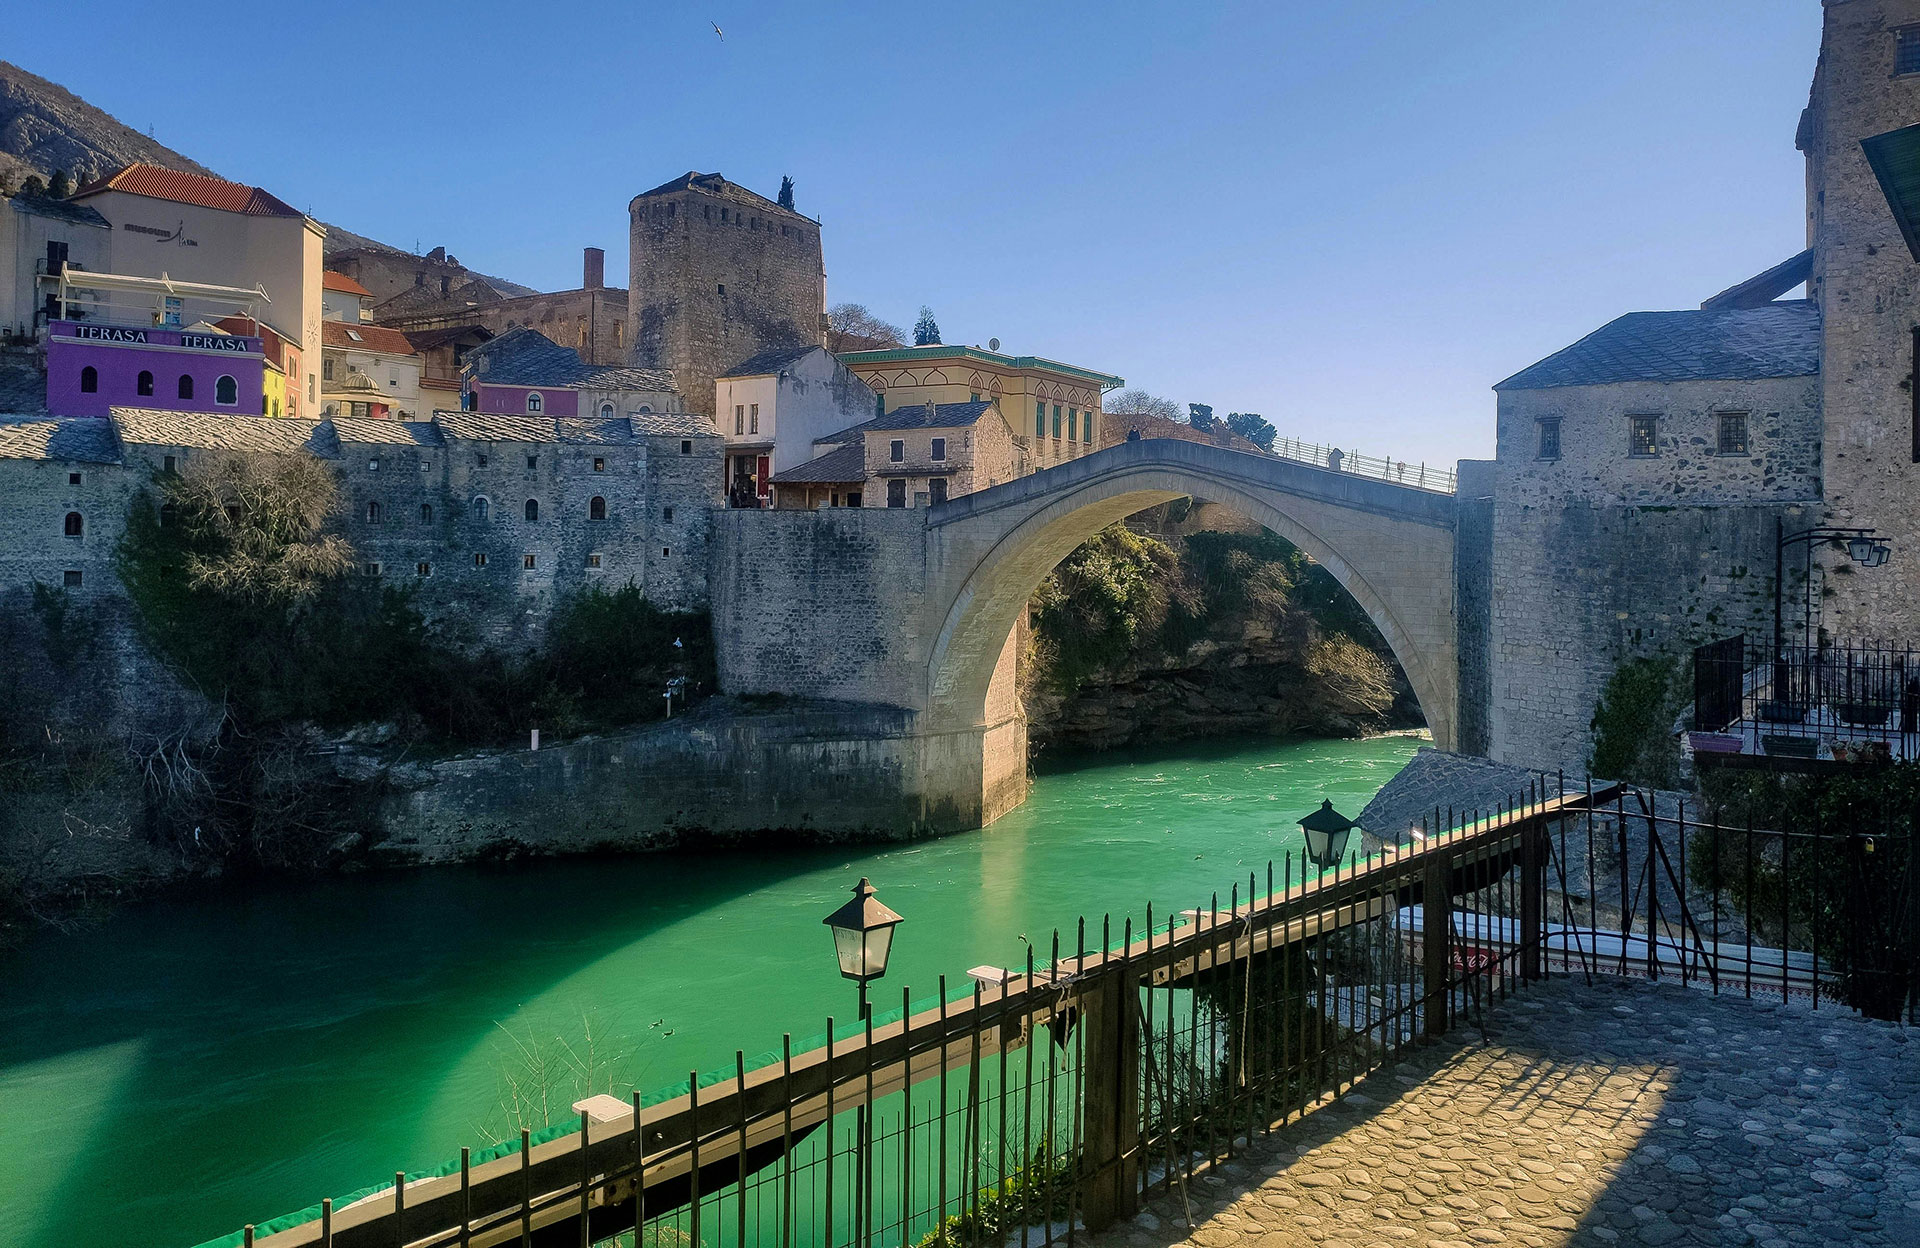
x,y
1620,1112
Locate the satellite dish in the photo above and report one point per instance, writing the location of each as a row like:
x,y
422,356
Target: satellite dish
x,y
993,344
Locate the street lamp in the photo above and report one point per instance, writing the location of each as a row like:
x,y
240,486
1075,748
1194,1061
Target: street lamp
x,y
863,937
1327,831
1864,546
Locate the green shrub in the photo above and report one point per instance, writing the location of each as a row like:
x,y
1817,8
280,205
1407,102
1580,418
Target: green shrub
x,y
1633,738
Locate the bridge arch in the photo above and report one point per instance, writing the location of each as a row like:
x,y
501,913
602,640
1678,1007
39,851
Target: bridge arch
x,y
1389,546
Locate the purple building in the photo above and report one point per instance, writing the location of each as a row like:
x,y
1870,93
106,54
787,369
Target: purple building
x,y
92,367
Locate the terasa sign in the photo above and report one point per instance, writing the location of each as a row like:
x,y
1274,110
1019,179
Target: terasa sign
x,y
109,333
217,342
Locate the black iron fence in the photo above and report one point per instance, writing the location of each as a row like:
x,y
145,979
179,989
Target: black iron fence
x,y
1845,701
1125,1059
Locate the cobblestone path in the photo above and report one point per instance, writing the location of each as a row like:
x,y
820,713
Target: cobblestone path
x,y
1611,1114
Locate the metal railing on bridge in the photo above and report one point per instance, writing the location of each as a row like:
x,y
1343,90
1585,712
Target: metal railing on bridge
x,y
1421,476
1048,1100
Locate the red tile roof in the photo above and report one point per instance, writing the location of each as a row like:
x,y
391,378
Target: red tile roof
x,y
190,188
342,283
363,337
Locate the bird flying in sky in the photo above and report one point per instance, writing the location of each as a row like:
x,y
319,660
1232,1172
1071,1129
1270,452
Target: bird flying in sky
x,y
718,31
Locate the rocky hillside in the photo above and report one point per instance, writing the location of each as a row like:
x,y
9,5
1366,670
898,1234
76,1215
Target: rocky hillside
x,y
45,127
1144,637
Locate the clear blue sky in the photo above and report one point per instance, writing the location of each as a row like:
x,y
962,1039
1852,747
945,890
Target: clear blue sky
x,y
1354,218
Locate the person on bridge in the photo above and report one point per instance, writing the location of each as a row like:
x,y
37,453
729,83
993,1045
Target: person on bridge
x,y
1333,459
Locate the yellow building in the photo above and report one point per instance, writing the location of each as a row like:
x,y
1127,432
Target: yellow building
x,y
1055,405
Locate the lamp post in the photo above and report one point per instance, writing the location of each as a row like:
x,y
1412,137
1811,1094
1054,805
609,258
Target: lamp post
x,y
1327,831
863,938
1864,546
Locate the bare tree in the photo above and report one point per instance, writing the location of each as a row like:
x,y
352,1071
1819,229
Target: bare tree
x,y
1142,403
851,327
254,526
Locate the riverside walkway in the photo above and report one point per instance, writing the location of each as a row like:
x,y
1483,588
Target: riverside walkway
x,y
1613,1113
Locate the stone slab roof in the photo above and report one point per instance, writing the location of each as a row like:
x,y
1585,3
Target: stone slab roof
x,y
483,427
839,466
526,357
672,425
772,360
1731,344
23,391
931,416
364,431
1459,782
271,435
85,439
58,209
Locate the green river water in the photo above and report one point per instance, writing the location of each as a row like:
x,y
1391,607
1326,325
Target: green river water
x,y
231,1054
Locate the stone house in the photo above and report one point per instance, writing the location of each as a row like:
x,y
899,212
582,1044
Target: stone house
x,y
523,373
1058,404
443,361
1642,473
38,236
368,370
923,455
591,319
488,520
343,299
773,406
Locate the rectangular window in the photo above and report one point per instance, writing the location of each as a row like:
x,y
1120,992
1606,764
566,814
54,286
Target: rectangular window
x,y
686,447
753,419
739,417
666,513
70,579
423,569
373,465
73,478
853,498
939,449
326,369
1643,436
897,492
1732,436
1056,420
1039,420
370,569
533,462
1073,424
1086,427
480,461
479,559
526,561
1549,437
1906,50
937,490
897,451
599,464
169,464
593,561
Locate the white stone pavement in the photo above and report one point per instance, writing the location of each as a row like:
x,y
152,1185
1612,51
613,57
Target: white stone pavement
x,y
1618,1113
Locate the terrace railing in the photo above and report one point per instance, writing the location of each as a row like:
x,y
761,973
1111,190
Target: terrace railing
x,y
1852,701
1047,1100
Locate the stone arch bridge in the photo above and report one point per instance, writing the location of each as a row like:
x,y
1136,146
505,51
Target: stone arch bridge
x,y
907,616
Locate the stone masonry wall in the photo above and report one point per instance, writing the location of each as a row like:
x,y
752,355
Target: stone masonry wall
x,y
715,278
1868,286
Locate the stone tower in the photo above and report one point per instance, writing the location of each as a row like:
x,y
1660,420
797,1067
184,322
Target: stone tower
x,y
1867,285
717,274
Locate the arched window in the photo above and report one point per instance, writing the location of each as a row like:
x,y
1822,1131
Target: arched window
x,y
226,391
89,380
426,513
143,384
645,410
534,402
75,525
373,513
596,508
606,411
480,509
533,509
186,386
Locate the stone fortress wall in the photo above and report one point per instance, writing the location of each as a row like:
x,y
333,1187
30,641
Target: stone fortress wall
x,y
719,274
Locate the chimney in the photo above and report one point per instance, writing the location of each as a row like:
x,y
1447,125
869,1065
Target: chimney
x,y
594,275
